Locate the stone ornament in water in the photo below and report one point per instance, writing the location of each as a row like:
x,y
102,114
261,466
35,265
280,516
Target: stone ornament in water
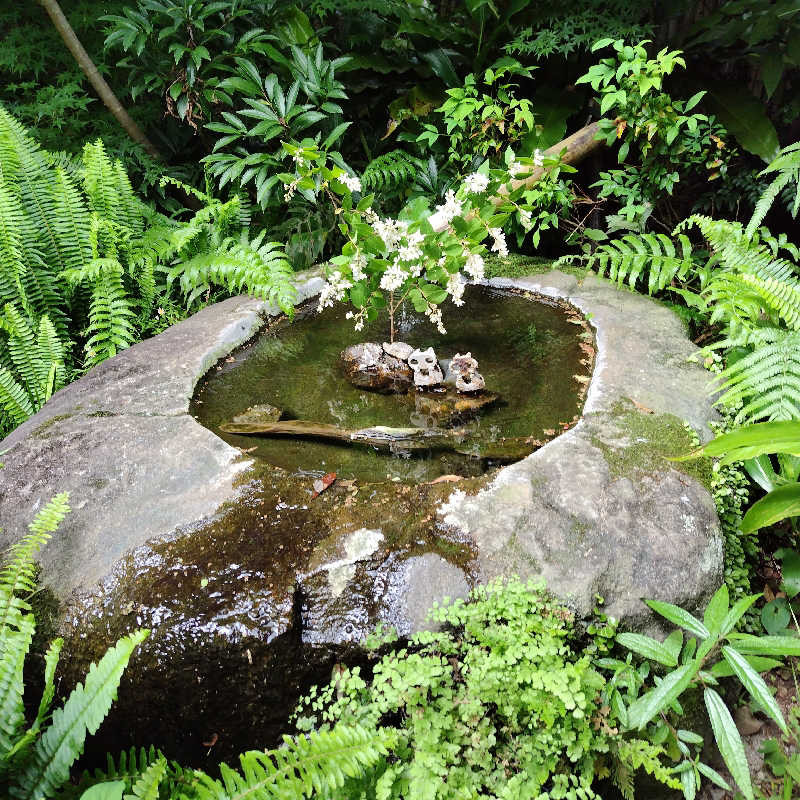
x,y
462,372
368,366
425,366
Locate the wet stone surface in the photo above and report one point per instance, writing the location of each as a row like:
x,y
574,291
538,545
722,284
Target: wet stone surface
x,y
254,589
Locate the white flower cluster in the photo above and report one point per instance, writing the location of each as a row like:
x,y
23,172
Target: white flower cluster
x,y
390,230
394,277
446,211
334,289
352,182
476,183
538,157
411,250
359,316
526,218
514,168
455,286
357,266
434,314
474,266
499,245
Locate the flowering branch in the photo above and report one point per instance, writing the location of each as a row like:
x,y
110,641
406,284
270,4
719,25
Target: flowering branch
x,y
424,256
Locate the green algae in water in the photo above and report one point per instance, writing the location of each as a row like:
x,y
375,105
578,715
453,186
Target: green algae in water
x,y
529,353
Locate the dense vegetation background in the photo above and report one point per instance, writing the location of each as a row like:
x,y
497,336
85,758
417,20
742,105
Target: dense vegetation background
x,y
278,135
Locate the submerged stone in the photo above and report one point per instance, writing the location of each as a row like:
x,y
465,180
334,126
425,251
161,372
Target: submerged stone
x,y
258,414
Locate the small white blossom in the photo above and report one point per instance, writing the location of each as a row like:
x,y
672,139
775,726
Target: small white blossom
x,y
499,246
526,218
474,266
299,160
456,286
390,230
352,182
434,314
334,289
289,189
357,266
514,168
394,277
538,157
476,182
359,317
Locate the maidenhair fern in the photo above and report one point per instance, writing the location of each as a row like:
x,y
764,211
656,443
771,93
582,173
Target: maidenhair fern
x,y
35,762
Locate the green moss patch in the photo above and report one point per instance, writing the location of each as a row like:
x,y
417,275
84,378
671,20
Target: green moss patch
x,y
653,439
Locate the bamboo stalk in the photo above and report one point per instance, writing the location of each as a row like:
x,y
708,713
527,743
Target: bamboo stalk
x,y
99,84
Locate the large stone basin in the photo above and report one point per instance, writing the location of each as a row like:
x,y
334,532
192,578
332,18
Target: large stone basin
x,y
253,591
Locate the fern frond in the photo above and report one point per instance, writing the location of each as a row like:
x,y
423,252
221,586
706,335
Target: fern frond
x,y
261,270
391,170
735,252
787,165
320,762
628,258
15,641
767,381
14,400
147,787
60,745
110,315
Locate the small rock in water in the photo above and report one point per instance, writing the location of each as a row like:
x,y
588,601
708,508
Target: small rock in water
x,y
427,371
367,366
399,350
258,414
445,409
462,373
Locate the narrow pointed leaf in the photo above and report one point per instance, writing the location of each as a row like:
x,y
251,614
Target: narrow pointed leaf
x,y
729,742
755,685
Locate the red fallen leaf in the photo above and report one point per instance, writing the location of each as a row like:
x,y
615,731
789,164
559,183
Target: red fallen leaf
x,y
212,741
321,484
446,479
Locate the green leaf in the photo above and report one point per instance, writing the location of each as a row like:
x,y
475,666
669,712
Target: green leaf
x,y
737,612
790,572
779,504
717,610
745,117
441,65
775,616
759,663
729,742
642,710
648,647
713,776
771,70
108,790
751,441
755,685
765,645
678,616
